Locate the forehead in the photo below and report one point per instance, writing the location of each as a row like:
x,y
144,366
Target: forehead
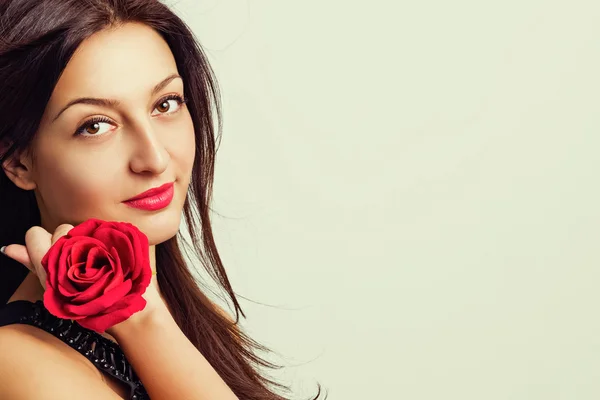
x,y
120,63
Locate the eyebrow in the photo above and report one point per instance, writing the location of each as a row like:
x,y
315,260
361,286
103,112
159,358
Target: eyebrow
x,y
110,103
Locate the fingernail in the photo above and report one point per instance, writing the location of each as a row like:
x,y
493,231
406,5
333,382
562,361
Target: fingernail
x,y
2,249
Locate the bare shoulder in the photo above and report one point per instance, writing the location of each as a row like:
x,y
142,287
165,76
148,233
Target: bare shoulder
x,y
33,362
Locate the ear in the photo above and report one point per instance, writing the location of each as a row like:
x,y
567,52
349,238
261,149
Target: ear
x,y
18,169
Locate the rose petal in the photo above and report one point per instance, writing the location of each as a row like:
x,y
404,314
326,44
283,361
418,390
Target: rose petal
x,y
100,323
120,291
100,303
139,243
63,260
55,304
102,272
82,246
142,255
97,258
66,289
63,284
122,243
95,290
123,303
116,271
117,268
82,274
85,228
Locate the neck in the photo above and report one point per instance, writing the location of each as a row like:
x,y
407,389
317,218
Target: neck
x,y
153,258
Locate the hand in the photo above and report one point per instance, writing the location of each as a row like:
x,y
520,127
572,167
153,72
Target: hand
x,y
155,310
37,243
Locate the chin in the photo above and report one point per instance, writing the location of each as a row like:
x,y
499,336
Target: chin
x,y
161,227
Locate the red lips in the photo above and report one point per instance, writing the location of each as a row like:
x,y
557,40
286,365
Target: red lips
x,y
152,192
153,199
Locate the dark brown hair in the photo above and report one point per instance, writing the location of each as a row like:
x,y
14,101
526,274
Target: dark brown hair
x,y
37,39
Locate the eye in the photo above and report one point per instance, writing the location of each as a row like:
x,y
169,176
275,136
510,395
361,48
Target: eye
x,y
93,122
164,106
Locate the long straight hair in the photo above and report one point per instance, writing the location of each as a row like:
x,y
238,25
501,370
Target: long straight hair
x,y
37,40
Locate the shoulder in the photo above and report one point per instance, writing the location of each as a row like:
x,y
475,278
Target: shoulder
x,y
31,355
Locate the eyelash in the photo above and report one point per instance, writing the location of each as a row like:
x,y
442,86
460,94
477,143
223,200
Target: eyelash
x,y
79,131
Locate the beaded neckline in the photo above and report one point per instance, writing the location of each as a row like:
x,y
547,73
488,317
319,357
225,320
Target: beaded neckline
x,y
102,352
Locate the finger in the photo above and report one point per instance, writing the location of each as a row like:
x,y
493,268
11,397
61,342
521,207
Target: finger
x,y
18,252
61,231
41,241
38,241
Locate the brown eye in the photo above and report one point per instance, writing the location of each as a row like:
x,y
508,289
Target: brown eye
x,y
93,127
96,128
163,107
170,104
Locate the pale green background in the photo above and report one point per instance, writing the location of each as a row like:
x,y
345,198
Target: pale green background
x,y
414,185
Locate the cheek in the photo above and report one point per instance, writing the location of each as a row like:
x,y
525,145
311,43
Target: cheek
x,y
183,148
73,186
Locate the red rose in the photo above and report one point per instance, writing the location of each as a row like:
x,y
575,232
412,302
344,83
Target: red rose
x,y
97,273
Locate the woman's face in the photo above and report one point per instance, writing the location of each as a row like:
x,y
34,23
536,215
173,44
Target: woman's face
x,y
87,170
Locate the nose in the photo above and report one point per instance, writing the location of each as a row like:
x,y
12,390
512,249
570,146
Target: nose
x,y
149,154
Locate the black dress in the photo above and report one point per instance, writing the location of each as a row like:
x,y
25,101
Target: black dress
x,y
106,355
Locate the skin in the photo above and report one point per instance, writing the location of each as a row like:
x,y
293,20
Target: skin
x,y
148,142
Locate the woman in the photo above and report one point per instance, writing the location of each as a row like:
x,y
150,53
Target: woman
x,y
100,101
